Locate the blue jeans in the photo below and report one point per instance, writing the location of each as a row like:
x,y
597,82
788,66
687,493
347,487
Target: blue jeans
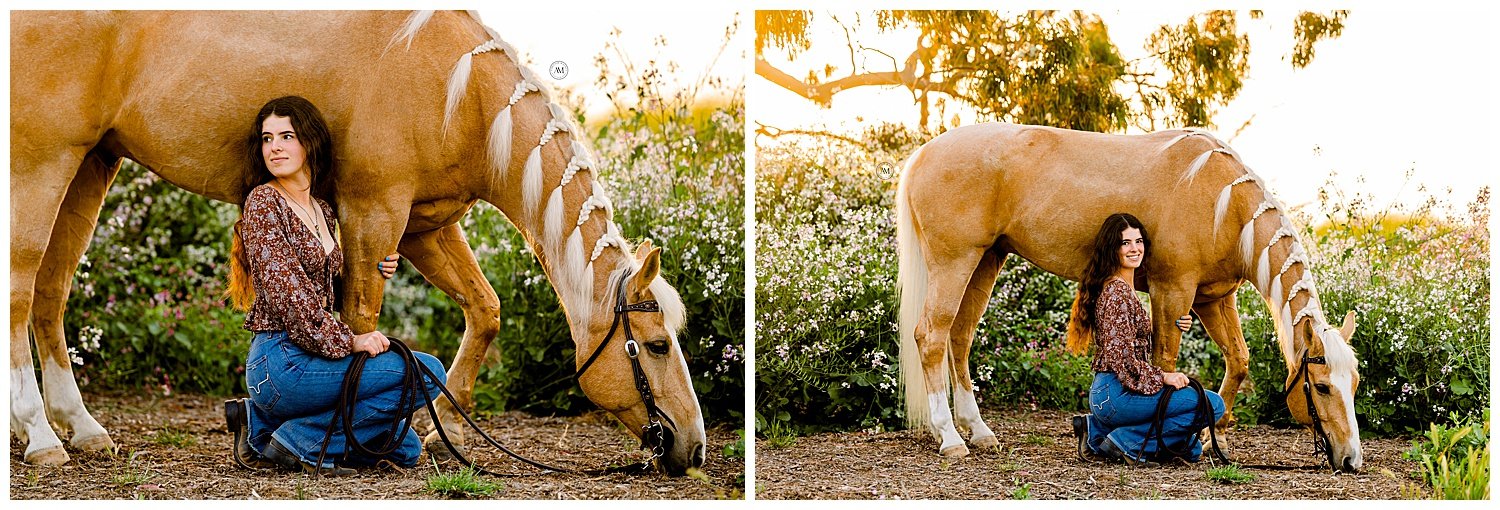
x,y
1125,417
295,392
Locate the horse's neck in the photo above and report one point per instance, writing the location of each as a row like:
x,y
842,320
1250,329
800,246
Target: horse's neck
x,y
1282,273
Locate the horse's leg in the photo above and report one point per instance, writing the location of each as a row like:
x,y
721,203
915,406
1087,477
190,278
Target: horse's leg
x,y
1221,319
37,190
70,238
444,258
947,282
1168,302
976,298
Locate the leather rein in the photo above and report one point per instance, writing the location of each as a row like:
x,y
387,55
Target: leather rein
x,y
653,435
1203,415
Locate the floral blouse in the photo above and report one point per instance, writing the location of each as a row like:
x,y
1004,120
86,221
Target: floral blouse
x,y
292,277
1123,339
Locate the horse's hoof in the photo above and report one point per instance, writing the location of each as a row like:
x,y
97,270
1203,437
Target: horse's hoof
x,y
50,457
985,442
433,443
421,422
98,443
1226,422
956,451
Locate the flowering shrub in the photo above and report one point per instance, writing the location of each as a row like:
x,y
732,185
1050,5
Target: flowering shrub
x,y
676,183
145,309
826,323
1419,288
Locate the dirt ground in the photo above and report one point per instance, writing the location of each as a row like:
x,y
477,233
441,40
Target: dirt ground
x,y
178,448
1038,459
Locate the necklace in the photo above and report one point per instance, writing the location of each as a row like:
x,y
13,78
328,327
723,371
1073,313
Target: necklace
x,y
317,225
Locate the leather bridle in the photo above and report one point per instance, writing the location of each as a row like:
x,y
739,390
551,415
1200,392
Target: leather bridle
x,y
654,435
1321,443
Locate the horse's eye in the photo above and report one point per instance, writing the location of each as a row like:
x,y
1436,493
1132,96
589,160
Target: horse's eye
x,y
658,347
1322,388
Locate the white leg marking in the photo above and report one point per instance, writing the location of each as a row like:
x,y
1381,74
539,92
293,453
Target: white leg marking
x,y
65,404
966,411
942,421
27,419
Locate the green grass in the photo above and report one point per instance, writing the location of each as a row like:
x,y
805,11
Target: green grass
x,y
1455,459
1039,440
464,483
1230,474
777,440
1022,492
132,476
174,437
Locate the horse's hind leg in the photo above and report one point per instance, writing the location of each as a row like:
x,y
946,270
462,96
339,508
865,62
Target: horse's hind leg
x,y
1222,321
976,298
444,258
70,238
36,194
946,285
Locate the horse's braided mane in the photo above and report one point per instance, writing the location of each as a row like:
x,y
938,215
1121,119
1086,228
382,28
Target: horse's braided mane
x,y
1258,267
560,239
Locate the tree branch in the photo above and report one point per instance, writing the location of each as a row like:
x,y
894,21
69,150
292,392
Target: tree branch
x,y
822,93
774,132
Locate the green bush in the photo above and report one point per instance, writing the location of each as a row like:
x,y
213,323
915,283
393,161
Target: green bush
x,y
825,314
677,183
1420,292
1455,460
145,310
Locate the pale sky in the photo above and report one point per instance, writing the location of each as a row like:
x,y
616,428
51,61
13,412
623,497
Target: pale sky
x,y
694,38
1397,90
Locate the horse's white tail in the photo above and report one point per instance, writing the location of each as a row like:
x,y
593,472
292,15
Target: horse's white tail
x,y
911,287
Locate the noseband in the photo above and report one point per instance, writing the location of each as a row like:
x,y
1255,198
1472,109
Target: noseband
x,y
1321,443
653,434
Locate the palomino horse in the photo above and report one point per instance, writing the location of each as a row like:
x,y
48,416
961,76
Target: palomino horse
x,y
1042,193
430,112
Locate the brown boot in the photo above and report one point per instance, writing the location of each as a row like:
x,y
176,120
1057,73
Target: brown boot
x,y
237,418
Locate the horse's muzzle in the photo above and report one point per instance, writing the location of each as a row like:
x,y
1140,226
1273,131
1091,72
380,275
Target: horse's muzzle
x,y
1351,464
676,461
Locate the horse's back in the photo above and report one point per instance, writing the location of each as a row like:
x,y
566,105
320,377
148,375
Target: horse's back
x,y
173,90
58,63
1042,192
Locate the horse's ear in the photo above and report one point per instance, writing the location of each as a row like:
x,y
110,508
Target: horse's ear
x,y
640,251
1308,335
650,267
1348,329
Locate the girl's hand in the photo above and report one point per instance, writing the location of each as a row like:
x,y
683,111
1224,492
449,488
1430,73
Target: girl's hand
x,y
388,266
373,342
1177,380
1184,323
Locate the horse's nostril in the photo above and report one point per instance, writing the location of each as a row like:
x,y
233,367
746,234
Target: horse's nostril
x,y
698,455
